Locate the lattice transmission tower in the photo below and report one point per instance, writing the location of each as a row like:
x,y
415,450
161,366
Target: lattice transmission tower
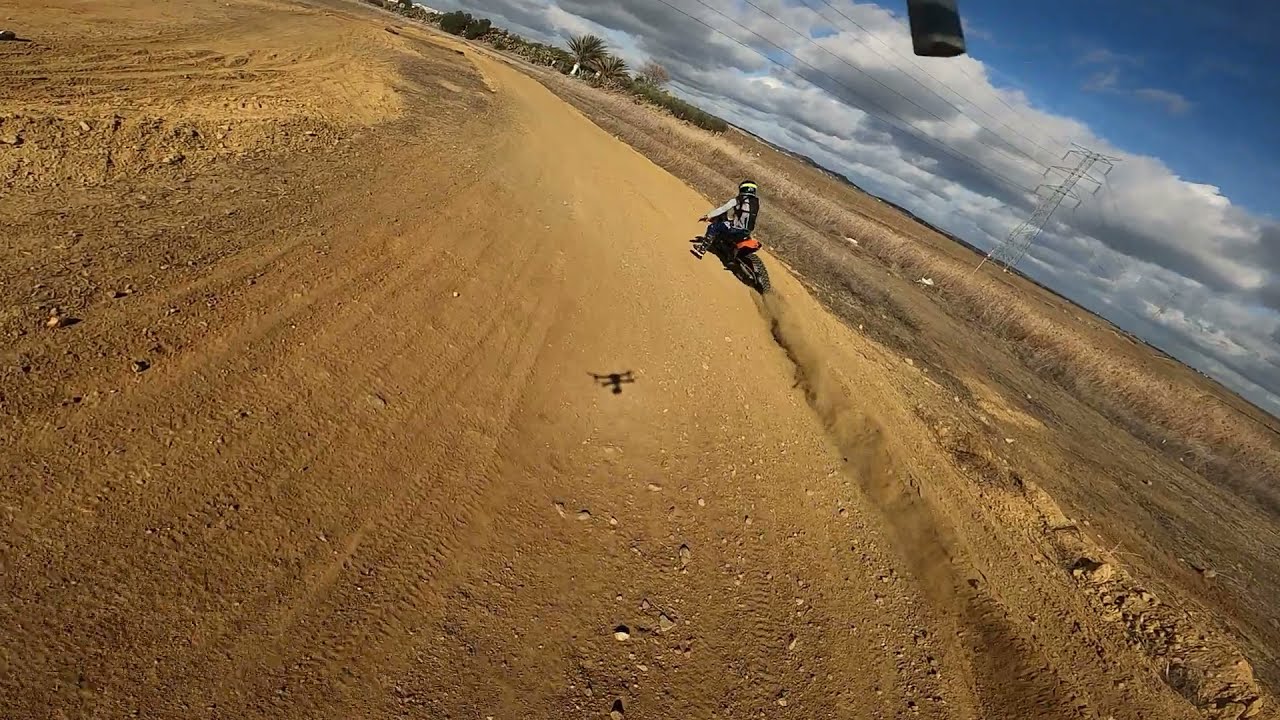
x,y
1013,248
1173,295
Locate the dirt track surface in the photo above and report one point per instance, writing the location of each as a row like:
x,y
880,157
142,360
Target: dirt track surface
x,y
319,435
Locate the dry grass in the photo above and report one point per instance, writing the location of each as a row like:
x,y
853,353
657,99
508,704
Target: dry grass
x,y
1196,424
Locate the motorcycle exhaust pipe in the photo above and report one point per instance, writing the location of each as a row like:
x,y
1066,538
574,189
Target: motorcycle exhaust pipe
x,y
935,28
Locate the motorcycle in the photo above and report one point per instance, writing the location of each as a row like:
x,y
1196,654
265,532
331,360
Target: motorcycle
x,y
738,256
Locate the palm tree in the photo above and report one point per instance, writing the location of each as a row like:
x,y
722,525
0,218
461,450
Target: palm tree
x,y
611,68
586,50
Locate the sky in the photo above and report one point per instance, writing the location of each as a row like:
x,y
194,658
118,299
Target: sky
x,y
1181,243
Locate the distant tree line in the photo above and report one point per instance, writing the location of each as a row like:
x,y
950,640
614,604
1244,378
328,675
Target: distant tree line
x,y
461,23
593,60
587,57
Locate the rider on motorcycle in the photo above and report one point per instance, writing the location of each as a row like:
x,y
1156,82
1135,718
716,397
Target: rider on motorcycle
x,y
736,219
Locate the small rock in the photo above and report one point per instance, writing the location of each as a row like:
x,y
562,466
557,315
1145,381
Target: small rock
x,y
843,513
613,521
655,487
310,133
584,515
560,509
173,159
702,503
56,321
747,520
622,633
644,604
84,126
140,366
685,555
616,713
8,35
911,362
792,644
665,623
642,668
1009,441
1093,571
378,401
1209,573
457,294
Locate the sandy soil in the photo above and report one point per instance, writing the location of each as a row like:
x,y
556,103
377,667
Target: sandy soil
x,y
1204,544
313,430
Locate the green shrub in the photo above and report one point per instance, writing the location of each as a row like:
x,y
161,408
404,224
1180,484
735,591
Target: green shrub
x,y
476,28
455,22
677,107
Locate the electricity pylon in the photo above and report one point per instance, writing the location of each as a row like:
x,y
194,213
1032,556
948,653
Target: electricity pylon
x,y
1013,248
1173,295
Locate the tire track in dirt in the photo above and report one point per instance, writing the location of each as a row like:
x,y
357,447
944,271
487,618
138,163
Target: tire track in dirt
x,y
272,331
412,505
418,510
302,442
1009,676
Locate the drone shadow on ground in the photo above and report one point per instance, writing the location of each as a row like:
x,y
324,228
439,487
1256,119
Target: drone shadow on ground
x,y
613,381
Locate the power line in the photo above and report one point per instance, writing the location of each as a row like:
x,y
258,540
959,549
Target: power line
x,y
882,84
1002,101
931,76
1096,263
1014,247
916,131
958,66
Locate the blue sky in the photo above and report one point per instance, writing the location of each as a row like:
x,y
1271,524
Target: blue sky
x,y
1221,58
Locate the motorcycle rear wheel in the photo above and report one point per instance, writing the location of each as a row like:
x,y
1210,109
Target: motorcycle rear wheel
x,y
760,274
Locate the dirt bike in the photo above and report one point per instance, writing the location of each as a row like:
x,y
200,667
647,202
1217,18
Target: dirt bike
x,y
739,257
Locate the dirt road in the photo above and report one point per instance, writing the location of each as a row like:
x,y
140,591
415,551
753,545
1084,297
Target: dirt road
x,y
324,439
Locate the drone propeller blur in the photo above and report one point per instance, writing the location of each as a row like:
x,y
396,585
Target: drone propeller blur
x,y
935,28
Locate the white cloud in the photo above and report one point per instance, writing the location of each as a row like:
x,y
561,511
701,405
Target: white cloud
x,y
1173,103
1102,81
1107,80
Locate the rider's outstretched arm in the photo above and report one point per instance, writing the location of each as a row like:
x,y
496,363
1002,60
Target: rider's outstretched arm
x,y
722,209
